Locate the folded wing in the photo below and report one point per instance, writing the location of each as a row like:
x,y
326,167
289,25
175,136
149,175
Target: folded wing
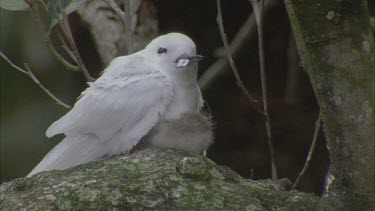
x,y
114,113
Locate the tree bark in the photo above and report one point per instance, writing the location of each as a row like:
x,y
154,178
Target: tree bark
x,y
158,179
336,46
150,179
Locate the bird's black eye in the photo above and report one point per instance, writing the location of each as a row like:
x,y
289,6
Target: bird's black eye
x,y
162,50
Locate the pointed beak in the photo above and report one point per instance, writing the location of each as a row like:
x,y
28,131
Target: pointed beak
x,y
195,58
185,61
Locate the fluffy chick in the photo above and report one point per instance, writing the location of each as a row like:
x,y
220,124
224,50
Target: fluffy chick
x,y
192,132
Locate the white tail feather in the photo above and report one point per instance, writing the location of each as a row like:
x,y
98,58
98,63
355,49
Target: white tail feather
x,y
71,151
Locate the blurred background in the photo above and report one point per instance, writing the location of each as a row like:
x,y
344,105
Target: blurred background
x,y
240,135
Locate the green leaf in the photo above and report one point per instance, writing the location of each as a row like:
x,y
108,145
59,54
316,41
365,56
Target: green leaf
x,y
14,5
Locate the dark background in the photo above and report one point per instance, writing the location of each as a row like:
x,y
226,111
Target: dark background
x,y
240,136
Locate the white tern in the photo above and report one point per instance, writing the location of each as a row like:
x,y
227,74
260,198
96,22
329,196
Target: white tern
x,y
147,92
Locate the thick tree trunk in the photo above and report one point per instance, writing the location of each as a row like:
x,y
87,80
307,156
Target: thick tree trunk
x,y
336,47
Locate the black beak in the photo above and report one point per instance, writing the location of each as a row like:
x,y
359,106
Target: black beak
x,y
185,61
195,58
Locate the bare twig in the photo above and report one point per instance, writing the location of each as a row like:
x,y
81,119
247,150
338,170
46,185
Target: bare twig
x,y
125,17
66,48
60,58
258,6
226,47
40,5
116,9
311,151
61,23
245,34
64,24
13,65
32,76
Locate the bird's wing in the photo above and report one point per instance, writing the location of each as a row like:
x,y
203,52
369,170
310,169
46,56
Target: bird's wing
x,y
71,151
130,103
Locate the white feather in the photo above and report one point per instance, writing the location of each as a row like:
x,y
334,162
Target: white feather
x,y
75,149
134,93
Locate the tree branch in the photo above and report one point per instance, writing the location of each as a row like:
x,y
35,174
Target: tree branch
x,y
66,48
116,9
60,58
13,65
29,73
226,47
64,24
244,35
39,11
311,151
258,6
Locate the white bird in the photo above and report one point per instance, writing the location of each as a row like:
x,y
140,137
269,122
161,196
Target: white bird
x,y
133,95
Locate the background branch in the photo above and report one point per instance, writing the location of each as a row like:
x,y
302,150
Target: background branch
x,y
116,9
311,151
29,73
258,6
66,48
226,47
60,58
39,13
245,34
65,27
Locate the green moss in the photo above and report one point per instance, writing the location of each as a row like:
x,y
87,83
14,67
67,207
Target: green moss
x,y
217,203
251,185
164,185
194,167
142,166
129,168
87,195
22,184
192,200
63,205
115,183
216,174
253,207
175,178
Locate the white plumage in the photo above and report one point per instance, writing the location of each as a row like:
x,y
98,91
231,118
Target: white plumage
x,y
134,94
